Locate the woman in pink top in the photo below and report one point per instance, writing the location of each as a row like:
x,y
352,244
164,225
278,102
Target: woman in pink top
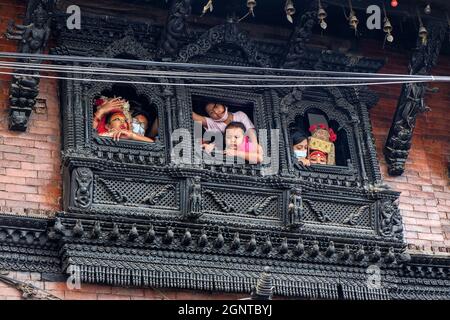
x,y
219,118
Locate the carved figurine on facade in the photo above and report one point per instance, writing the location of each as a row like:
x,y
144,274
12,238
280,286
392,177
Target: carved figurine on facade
x,y
25,88
82,181
175,29
195,199
412,101
33,37
295,208
391,221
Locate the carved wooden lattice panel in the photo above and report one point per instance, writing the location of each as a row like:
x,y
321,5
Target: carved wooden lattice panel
x,y
136,193
334,212
245,203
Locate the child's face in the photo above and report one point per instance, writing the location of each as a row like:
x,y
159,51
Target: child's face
x,y
118,121
318,158
215,110
234,137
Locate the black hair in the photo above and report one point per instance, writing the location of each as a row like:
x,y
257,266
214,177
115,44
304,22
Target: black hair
x,y
215,104
298,136
235,125
138,109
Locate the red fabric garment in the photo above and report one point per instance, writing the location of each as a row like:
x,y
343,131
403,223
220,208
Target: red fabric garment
x,y
101,128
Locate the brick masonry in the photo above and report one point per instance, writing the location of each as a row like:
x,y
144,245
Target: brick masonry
x,y
30,177
103,292
425,184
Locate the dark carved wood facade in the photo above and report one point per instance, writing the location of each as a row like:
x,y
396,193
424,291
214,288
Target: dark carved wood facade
x,y
131,217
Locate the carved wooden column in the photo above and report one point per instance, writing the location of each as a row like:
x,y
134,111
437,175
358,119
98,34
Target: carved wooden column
x,y
411,102
33,35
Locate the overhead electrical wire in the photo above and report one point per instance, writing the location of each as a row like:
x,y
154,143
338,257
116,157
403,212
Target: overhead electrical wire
x,y
186,75
28,62
81,59
182,84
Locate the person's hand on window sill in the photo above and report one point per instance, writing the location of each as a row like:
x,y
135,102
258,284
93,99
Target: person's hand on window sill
x,y
304,161
208,147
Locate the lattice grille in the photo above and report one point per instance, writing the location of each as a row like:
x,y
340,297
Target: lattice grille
x,y
265,205
108,191
337,212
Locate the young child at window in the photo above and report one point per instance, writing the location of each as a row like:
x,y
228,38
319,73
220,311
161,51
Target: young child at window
x,y
237,144
219,118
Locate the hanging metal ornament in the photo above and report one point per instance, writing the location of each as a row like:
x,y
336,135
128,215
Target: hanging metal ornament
x,y
290,10
322,15
352,19
387,27
423,32
208,7
251,4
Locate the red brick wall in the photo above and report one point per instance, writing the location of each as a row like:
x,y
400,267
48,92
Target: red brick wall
x,y
424,186
30,180
103,292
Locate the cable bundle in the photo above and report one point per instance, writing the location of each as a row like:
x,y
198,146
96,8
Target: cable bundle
x,y
205,75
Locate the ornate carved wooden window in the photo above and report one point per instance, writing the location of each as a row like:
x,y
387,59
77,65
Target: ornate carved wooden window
x,y
234,213
346,120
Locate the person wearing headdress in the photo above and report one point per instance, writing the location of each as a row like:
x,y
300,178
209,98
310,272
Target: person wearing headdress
x,y
113,119
321,144
300,147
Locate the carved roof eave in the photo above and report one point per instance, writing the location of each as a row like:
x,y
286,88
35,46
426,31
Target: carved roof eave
x,y
165,267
